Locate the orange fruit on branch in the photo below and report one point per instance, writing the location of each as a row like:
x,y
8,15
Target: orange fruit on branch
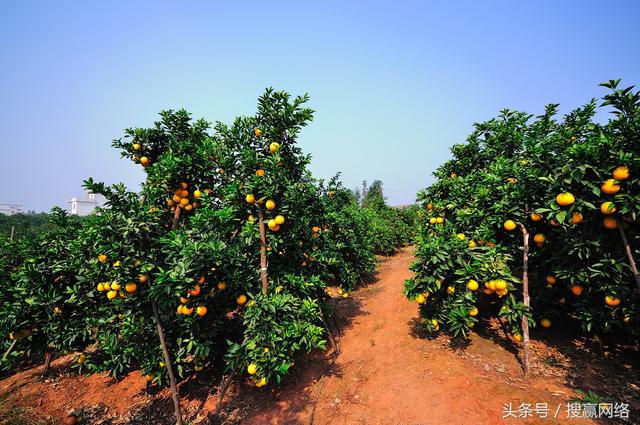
x,y
607,208
509,225
621,173
610,222
610,187
565,199
612,301
577,290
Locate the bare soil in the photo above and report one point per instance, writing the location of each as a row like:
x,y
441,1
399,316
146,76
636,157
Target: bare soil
x,y
388,371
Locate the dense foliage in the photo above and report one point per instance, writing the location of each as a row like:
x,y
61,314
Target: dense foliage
x,y
567,188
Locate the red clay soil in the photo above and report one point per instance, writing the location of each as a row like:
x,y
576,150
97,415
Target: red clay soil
x,y
387,372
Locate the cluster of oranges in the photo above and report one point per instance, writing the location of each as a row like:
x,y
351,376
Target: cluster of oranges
x,y
436,220
200,310
182,198
500,287
274,223
114,289
139,157
611,187
252,370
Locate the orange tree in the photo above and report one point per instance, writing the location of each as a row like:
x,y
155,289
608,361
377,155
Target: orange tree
x,y
512,185
226,250
42,304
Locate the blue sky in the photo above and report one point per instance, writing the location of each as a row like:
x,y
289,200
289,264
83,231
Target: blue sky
x,y
395,84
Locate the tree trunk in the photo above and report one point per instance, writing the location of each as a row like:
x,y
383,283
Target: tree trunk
x,y
263,253
165,351
167,362
48,356
224,385
525,296
627,249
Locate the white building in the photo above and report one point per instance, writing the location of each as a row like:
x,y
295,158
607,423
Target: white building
x,y
84,206
10,209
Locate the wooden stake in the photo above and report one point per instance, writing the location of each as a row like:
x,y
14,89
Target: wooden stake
x,y
525,296
263,253
627,249
6,353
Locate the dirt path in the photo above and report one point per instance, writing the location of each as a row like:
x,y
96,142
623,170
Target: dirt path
x,y
387,373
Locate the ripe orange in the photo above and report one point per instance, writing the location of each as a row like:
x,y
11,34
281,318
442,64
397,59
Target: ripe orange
x,y
222,286
451,290
184,201
180,309
517,337
612,301
554,223
420,299
273,147
201,310
252,369
136,147
577,290
270,205
131,287
197,194
143,278
610,222
184,300
183,185
106,286
461,236
188,311
509,225
315,229
440,220
242,299
454,175
251,218
607,208
262,382
112,294
565,199
539,238
272,224
250,198
176,198
512,180
536,217
500,284
429,206
100,287
144,161
258,132
550,280
432,220
102,258
260,172
621,173
279,219
345,295
576,218
195,291
546,323
610,187
472,244
115,286
148,378
473,312
472,285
